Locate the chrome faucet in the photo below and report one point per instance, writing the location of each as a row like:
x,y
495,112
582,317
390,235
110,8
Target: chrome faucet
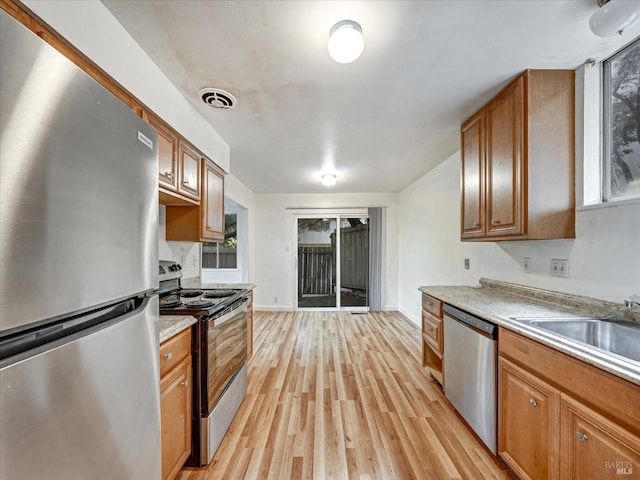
x,y
631,302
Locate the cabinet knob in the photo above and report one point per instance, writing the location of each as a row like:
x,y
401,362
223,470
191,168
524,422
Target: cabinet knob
x,y
185,383
168,356
168,174
495,222
185,181
533,403
476,224
581,437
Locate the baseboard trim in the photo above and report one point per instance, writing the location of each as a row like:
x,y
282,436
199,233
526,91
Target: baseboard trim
x,y
410,316
273,308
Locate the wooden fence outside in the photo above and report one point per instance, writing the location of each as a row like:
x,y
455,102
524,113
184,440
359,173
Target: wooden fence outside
x,y
316,263
227,256
316,270
354,257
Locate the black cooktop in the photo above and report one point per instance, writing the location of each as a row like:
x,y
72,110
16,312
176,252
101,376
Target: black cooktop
x,y
188,301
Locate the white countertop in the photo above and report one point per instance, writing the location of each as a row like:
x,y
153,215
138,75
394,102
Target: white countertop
x,y
498,302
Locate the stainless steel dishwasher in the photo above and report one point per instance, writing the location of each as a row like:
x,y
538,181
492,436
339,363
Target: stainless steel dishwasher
x,y
470,347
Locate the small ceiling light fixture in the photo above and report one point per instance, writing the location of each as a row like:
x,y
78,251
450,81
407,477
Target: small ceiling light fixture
x,y
328,179
346,41
614,16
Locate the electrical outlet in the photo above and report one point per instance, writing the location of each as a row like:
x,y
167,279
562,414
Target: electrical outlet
x,y
466,264
559,267
526,263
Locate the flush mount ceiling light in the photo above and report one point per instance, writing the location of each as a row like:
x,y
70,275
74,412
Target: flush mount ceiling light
x,y
614,16
328,179
346,41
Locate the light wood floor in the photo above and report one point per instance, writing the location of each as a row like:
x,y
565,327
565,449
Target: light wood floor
x,y
344,396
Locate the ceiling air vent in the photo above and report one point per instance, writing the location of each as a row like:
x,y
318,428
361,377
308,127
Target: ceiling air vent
x,y
214,97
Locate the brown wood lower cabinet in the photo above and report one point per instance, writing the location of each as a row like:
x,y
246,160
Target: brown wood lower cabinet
x,y
528,423
559,417
432,336
250,325
176,392
594,447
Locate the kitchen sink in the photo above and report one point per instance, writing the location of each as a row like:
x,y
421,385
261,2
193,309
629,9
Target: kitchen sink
x,y
615,337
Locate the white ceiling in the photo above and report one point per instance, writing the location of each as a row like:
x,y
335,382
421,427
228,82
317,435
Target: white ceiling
x,y
381,122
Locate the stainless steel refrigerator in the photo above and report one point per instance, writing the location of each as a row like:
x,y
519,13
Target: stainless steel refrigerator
x,y
79,366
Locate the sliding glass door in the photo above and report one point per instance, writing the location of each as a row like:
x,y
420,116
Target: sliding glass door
x,y
332,263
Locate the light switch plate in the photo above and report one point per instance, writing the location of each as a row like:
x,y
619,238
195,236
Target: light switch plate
x,y
559,267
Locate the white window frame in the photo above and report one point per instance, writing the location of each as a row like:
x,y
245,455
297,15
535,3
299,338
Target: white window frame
x,y
217,244
606,130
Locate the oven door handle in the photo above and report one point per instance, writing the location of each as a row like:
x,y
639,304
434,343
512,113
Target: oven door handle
x,y
228,316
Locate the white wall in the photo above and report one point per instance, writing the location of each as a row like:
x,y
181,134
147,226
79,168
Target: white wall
x,y
603,259
91,28
274,242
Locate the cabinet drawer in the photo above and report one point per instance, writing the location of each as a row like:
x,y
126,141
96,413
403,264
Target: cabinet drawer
x,y
174,350
432,305
432,328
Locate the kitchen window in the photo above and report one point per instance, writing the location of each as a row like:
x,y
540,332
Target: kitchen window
x,y
621,126
223,255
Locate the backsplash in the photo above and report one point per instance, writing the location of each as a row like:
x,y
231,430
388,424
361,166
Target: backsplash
x,y
187,254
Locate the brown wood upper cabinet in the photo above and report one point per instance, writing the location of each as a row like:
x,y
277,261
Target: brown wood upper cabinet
x,y
167,153
189,161
178,165
204,222
518,168
212,202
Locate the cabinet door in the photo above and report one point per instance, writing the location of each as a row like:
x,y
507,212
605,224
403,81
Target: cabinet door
x,y
189,166
167,153
175,408
473,177
528,423
593,447
506,187
213,202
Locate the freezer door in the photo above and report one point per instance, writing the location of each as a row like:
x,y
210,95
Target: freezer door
x,y
87,409
79,206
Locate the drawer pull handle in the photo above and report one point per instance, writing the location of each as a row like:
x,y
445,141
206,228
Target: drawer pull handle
x,y
533,403
168,356
185,383
581,437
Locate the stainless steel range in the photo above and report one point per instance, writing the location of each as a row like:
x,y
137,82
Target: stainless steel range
x,y
219,344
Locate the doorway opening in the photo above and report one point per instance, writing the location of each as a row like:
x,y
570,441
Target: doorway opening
x,y
332,263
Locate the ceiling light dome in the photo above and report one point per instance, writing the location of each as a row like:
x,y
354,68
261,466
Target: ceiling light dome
x,y
613,17
328,179
346,41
